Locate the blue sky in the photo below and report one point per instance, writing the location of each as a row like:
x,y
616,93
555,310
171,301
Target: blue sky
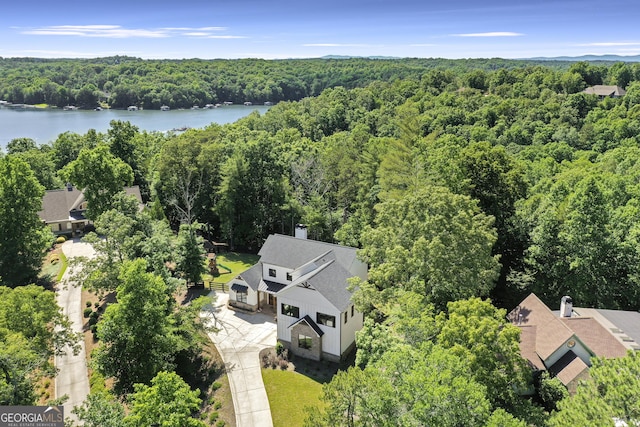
x,y
303,28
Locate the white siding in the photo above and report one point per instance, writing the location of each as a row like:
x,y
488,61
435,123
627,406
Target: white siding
x,y
310,302
578,349
252,296
350,328
281,273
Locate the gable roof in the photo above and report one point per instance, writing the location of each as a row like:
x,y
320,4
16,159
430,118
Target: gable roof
x,y
605,90
550,334
292,252
57,205
252,276
568,368
331,266
309,321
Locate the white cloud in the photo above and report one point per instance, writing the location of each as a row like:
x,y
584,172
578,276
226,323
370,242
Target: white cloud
x,y
334,45
226,37
117,31
490,34
41,53
423,45
611,44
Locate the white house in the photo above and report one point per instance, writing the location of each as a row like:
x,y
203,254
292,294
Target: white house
x,y
305,283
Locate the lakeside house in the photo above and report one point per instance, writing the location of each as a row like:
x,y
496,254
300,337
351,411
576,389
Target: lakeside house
x,y
64,210
564,342
305,282
132,108
164,108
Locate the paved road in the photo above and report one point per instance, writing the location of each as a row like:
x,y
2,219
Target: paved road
x,y
72,378
239,341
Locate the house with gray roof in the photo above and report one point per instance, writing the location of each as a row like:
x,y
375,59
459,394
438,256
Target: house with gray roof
x,y
564,342
605,91
305,283
64,210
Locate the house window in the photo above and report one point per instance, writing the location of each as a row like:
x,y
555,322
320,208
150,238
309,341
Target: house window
x,y
290,310
289,277
304,341
241,297
272,272
326,320
352,307
346,316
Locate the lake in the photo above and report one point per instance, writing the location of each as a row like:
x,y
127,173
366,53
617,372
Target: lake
x,y
44,125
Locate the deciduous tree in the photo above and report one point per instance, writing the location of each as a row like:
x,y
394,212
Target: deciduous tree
x,y
25,237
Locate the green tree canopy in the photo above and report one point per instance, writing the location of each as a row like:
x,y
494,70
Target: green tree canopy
x,y
25,239
168,402
101,175
434,243
137,329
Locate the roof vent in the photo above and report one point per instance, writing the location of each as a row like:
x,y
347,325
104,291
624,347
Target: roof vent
x,y
69,186
566,306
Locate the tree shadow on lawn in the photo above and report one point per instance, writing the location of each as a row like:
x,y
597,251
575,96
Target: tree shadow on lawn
x,y
320,371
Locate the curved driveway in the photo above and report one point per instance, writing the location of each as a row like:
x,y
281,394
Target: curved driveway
x,y
72,378
239,340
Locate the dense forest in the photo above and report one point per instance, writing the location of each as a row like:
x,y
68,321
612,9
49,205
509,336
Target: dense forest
x,y
120,81
457,180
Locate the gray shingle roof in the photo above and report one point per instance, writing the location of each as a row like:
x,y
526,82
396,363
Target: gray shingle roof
x,y
291,252
604,90
627,321
58,204
333,262
331,282
253,276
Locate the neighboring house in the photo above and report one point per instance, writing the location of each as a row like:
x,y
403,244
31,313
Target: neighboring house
x,y
564,342
604,91
64,210
305,283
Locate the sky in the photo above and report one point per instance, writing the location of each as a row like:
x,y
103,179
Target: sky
x,y
279,29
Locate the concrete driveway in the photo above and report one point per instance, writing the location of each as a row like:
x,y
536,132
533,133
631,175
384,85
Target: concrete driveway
x,y
240,338
72,378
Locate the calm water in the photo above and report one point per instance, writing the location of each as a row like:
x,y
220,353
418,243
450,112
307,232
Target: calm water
x,y
45,125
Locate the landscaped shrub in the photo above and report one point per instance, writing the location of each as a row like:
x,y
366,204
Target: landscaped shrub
x,y
60,240
215,386
88,304
96,304
94,331
279,348
93,318
213,417
217,405
87,312
220,423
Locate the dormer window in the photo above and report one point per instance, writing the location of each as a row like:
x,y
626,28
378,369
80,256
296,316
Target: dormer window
x,y
272,272
289,277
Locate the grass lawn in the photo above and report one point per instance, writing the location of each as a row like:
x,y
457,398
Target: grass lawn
x,y
234,261
289,393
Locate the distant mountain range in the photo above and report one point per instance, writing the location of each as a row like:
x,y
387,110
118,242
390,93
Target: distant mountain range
x,y
608,58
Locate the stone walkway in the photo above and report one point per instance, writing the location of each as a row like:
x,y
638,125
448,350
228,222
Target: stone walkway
x,y
240,339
